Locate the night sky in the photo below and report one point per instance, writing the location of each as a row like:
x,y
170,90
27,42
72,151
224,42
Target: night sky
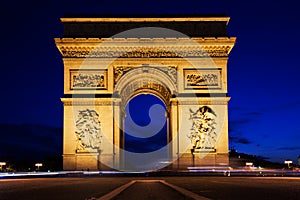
x,y
263,70
148,133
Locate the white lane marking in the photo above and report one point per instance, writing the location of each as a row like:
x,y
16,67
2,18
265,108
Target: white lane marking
x,y
276,178
184,191
116,191
181,190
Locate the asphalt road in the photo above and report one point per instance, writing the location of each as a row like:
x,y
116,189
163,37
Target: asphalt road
x,y
150,191
242,188
211,187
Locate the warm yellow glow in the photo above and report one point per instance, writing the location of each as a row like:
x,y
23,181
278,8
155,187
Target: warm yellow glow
x,y
38,164
124,61
153,19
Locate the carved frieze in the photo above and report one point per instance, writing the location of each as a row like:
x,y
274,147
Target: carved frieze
x,y
145,47
203,134
88,79
88,130
202,79
128,52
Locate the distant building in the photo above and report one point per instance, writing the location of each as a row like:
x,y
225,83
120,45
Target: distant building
x,y
299,160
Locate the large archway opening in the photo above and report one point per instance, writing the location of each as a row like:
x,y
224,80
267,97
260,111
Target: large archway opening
x,y
145,129
143,98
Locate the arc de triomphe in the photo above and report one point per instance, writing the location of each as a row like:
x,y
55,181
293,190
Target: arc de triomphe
x,y
109,61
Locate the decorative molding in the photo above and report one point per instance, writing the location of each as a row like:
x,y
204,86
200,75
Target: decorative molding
x,y
203,79
204,101
150,19
144,47
86,101
173,102
171,71
96,41
177,101
144,85
207,150
89,152
136,52
145,79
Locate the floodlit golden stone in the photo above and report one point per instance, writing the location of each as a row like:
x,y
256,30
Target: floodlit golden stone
x,y
153,19
102,74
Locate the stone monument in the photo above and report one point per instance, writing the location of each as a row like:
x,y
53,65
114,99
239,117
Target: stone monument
x,y
108,61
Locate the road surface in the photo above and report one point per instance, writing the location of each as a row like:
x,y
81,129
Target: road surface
x,y
227,188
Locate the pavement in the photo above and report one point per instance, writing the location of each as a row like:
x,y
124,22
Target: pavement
x,y
147,187
149,190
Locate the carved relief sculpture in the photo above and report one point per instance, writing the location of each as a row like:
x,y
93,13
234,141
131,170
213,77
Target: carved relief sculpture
x,y
202,79
198,79
88,130
171,71
91,80
88,80
119,71
203,134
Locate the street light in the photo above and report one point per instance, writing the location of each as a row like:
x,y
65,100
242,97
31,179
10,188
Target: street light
x,y
288,162
38,165
2,164
249,164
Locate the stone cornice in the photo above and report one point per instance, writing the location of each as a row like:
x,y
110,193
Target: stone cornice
x,y
174,101
144,47
151,19
204,101
86,101
128,41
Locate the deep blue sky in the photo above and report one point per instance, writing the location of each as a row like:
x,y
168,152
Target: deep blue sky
x,y
139,137
263,66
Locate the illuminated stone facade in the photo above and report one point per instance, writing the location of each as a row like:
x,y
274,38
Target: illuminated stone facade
x,y
102,74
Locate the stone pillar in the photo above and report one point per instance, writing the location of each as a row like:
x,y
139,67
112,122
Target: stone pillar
x,y
117,133
174,132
